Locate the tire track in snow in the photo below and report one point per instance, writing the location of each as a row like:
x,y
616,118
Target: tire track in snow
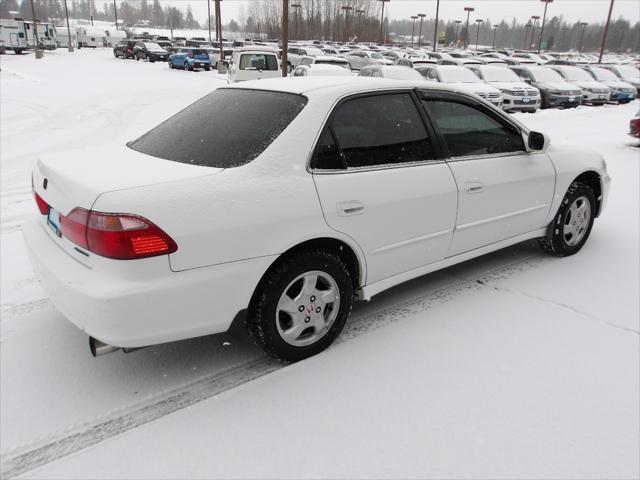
x,y
29,457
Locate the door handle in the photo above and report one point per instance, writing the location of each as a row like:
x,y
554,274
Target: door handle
x,y
352,207
474,187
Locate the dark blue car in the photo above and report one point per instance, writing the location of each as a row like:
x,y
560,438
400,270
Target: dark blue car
x,y
190,59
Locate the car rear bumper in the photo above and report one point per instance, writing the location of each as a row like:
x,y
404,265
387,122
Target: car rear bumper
x,y
141,302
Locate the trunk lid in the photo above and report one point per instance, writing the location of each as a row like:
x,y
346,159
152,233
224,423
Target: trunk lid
x,y
76,178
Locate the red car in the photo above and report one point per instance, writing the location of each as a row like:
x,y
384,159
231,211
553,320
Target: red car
x,y
634,126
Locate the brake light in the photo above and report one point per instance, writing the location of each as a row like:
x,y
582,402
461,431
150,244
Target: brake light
x,y
114,235
42,205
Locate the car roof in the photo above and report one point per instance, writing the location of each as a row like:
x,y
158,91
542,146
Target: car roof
x,y
339,86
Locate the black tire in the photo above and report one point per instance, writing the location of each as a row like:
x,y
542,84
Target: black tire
x,y
137,57
556,242
190,68
152,59
207,68
170,64
261,320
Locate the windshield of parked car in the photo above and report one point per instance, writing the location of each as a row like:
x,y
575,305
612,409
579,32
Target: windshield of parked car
x,y
227,128
340,63
258,61
604,75
376,55
500,74
543,74
627,71
458,74
314,52
152,46
575,74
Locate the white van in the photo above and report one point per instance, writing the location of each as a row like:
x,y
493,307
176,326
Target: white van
x,y
253,63
12,35
113,36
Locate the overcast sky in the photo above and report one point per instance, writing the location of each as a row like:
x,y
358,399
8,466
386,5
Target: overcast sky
x,y
572,10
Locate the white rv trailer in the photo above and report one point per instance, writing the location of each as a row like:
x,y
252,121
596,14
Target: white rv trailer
x,y
92,37
113,36
63,36
12,35
46,35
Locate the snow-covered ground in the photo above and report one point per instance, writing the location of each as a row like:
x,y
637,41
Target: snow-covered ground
x,y
512,365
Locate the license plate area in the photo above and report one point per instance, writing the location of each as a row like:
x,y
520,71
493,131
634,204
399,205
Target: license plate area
x,y
53,220
526,99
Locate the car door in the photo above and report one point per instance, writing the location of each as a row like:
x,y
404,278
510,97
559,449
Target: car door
x,y
504,191
382,181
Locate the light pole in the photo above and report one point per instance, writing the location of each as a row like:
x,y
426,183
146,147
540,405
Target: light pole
x,y
413,28
219,29
466,30
421,15
90,12
495,30
285,36
526,35
298,8
564,32
66,13
346,9
115,13
39,53
360,13
478,22
544,18
457,22
208,16
382,22
582,24
606,31
435,29
535,19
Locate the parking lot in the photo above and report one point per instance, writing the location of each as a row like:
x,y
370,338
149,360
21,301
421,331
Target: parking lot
x,y
514,364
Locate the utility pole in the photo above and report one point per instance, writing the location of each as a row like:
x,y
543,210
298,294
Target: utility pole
x,y
39,53
582,24
435,29
458,22
382,22
208,16
360,13
66,13
421,15
564,32
90,12
544,18
297,7
115,11
466,30
478,22
413,28
495,30
606,31
285,36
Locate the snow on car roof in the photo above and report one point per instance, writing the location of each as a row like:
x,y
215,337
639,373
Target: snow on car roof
x,y
340,85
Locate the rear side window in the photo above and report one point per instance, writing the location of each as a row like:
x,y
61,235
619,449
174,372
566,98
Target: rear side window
x,y
469,131
252,61
227,128
375,130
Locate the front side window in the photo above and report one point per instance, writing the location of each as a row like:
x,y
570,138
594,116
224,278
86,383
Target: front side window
x,y
469,131
227,128
375,130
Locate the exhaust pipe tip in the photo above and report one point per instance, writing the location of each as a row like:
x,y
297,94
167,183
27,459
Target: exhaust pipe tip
x,y
99,348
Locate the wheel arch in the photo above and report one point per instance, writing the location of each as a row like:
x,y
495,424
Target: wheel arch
x,y
594,180
349,253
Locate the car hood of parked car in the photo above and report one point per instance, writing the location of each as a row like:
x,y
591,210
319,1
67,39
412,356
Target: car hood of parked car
x,y
589,84
617,84
473,87
512,85
560,86
76,178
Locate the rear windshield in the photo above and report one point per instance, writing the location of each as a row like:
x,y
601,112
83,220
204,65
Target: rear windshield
x,y
227,128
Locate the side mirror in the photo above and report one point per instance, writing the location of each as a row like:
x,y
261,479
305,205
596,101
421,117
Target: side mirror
x,y
527,80
537,141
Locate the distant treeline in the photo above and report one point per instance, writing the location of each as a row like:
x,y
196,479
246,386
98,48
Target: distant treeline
x,y
341,20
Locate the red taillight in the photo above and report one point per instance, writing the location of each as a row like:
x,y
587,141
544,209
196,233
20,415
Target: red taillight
x,y
42,205
114,235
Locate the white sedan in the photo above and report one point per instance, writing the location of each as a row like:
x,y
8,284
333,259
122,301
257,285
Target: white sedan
x,y
279,202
